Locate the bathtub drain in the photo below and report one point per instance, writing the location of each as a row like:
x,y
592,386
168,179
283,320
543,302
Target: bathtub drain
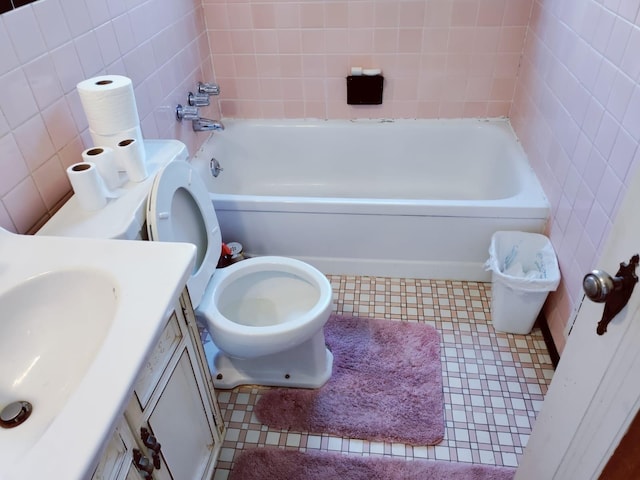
x,y
15,414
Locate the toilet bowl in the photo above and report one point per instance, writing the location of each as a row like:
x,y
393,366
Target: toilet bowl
x,y
264,305
264,314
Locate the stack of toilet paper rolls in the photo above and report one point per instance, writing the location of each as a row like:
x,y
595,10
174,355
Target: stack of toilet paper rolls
x,y
110,106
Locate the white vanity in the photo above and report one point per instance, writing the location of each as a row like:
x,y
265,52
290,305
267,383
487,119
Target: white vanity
x,y
99,340
171,428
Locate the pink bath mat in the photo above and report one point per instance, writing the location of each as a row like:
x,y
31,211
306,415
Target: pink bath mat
x,y
274,463
386,385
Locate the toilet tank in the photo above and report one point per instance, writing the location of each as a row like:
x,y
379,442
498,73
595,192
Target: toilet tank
x,y
123,217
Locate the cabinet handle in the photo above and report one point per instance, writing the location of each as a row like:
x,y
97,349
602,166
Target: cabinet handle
x,y
152,444
143,464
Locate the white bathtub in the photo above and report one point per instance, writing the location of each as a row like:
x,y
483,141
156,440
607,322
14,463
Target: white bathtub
x,y
408,198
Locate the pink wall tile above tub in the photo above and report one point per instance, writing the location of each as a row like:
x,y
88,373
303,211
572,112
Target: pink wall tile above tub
x,y
493,11
412,14
476,41
516,12
464,13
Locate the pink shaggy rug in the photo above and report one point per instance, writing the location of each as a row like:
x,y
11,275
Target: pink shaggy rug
x,y
273,463
386,385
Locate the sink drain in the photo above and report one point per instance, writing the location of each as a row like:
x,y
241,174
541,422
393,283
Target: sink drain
x,y
15,414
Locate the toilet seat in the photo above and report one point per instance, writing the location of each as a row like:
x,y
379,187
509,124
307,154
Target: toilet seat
x,y
179,209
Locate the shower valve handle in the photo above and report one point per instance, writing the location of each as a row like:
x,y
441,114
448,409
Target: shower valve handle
x,y
198,99
187,113
209,88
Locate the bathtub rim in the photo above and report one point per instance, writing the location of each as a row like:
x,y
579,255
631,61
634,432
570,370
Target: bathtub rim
x,y
505,208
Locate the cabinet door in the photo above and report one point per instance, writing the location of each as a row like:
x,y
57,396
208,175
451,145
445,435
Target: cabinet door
x,y
177,416
178,408
116,462
180,423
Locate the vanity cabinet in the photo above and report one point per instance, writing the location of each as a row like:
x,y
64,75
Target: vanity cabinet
x,y
172,427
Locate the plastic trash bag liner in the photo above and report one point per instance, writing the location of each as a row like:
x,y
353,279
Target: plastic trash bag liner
x,y
524,261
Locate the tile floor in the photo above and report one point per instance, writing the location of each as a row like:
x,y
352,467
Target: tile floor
x,y
494,383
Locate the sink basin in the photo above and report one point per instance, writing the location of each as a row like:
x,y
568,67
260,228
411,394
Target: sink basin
x,y
44,318
78,319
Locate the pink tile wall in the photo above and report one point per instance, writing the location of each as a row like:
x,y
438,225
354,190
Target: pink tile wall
x,y
47,47
440,58
577,112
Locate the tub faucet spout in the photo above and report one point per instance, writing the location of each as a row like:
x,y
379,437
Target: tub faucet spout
x,y
207,125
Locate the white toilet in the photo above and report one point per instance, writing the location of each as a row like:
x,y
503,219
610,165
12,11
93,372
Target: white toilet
x,y
265,314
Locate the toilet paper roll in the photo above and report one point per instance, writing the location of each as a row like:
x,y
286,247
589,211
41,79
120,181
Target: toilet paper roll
x,y
112,140
109,103
130,152
105,160
87,185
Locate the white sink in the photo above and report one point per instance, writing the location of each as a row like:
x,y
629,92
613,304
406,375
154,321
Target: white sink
x,y
78,318
52,326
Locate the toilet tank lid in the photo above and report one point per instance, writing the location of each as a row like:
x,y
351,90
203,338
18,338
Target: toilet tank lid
x,y
122,217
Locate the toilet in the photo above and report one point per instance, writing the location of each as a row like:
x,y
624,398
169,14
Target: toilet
x,y
265,314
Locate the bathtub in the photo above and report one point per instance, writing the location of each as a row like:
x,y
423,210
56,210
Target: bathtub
x,y
405,198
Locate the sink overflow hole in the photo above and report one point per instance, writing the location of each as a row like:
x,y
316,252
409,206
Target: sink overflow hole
x,y
15,414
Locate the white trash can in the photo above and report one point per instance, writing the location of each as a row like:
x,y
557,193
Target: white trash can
x,y
524,269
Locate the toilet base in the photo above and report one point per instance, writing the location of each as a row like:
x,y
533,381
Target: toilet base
x,y
307,365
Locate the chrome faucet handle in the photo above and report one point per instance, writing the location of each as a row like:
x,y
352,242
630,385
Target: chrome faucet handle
x,y
198,99
208,88
187,113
